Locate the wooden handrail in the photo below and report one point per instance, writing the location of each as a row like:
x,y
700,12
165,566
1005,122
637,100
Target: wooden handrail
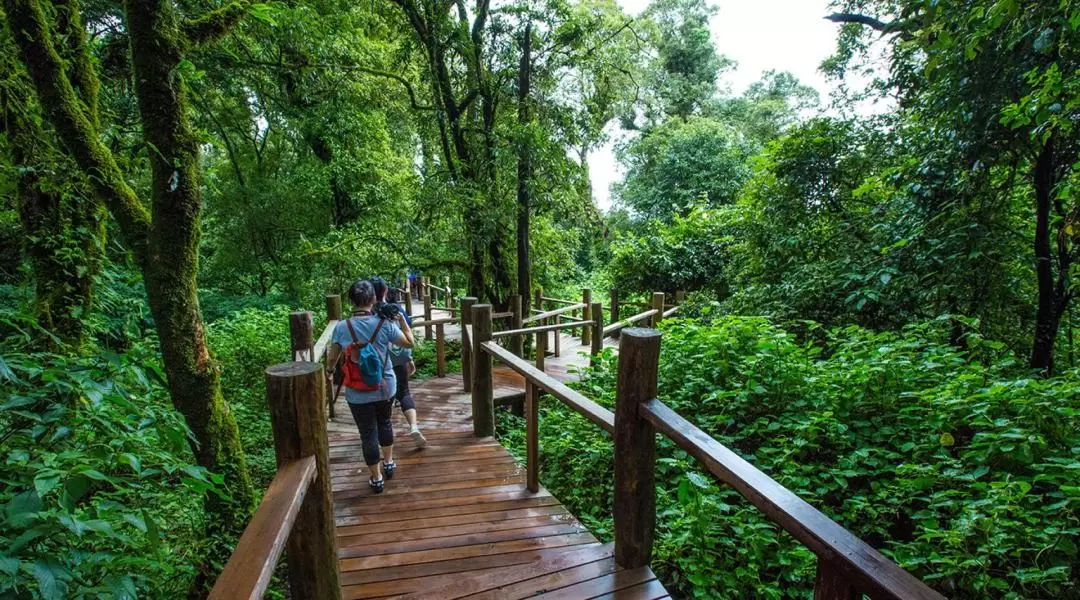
x,y
442,321
324,341
558,300
670,311
575,400
629,321
502,315
247,574
575,324
554,313
871,572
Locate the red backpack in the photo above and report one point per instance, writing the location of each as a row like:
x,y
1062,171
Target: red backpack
x,y
363,365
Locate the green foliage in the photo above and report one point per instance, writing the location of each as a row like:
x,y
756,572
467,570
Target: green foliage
x,y
89,445
690,253
953,463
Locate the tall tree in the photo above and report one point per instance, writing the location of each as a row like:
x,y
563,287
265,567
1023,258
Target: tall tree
x,y
165,238
997,80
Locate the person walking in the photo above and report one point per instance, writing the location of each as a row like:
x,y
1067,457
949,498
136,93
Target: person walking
x,y
370,383
402,360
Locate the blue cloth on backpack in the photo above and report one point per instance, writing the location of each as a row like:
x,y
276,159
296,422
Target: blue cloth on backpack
x,y
364,328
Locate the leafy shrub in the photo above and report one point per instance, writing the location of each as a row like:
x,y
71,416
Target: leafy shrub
x,y
963,471
88,444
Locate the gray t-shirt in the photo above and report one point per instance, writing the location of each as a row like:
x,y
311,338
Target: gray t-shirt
x,y
365,328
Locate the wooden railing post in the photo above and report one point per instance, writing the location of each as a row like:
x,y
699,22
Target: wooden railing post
x,y
440,351
532,438
408,296
658,306
680,297
635,447
832,585
301,336
449,293
614,305
483,406
541,348
539,301
333,307
333,313
294,392
586,332
427,314
517,343
598,330
466,344
557,334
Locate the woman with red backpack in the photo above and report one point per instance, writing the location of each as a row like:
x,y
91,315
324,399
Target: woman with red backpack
x,y
370,384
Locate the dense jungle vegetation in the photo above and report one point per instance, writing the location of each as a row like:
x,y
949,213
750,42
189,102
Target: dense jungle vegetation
x,y
880,306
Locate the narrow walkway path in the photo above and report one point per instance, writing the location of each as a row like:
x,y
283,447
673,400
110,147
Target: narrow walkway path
x,y
457,520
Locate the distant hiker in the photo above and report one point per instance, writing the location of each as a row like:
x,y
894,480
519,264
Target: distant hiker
x,y
404,367
370,384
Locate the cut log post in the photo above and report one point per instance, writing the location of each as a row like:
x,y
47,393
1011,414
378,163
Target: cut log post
x,y
294,393
483,398
449,293
466,344
301,336
427,316
440,350
680,297
614,305
658,306
635,448
532,437
408,296
586,332
333,307
517,343
333,313
558,337
541,348
538,303
598,330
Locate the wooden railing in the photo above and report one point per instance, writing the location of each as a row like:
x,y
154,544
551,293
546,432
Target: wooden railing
x,y
296,514
847,567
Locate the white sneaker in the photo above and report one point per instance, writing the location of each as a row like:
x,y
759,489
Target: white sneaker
x,y
418,437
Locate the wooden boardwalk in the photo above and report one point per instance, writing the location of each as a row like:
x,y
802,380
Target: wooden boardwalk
x,y
457,521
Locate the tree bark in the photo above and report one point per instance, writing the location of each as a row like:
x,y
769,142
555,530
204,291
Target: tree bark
x,y
166,246
524,167
1051,296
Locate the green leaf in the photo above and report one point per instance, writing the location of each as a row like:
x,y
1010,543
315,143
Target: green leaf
x,y
74,488
23,508
9,564
6,372
698,480
947,439
122,587
46,481
51,577
153,534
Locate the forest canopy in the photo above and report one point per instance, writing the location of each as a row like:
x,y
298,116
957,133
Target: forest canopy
x,y
880,303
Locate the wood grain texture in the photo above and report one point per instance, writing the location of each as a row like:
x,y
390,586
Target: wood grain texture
x,y
482,392
295,393
248,572
635,447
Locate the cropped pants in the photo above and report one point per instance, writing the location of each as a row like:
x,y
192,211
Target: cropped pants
x,y
373,421
403,396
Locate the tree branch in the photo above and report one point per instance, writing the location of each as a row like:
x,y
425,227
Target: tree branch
x,y
413,99
77,134
871,22
214,24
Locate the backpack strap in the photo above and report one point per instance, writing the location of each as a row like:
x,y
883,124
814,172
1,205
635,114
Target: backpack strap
x,y
376,333
352,333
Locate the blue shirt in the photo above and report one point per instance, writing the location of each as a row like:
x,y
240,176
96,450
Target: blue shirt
x,y
364,328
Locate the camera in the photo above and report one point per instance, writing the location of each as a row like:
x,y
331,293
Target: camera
x,y
386,310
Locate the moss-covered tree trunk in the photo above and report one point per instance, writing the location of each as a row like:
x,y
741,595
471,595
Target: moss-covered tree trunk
x,y
63,229
166,245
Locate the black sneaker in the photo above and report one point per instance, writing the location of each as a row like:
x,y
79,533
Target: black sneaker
x,y
388,469
376,486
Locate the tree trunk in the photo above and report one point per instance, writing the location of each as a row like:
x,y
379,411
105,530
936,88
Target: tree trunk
x,y
63,231
1048,313
524,168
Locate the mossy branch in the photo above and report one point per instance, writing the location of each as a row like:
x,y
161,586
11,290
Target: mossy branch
x,y
214,24
78,135
77,53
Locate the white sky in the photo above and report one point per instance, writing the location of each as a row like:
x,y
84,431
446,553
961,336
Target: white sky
x,y
784,35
